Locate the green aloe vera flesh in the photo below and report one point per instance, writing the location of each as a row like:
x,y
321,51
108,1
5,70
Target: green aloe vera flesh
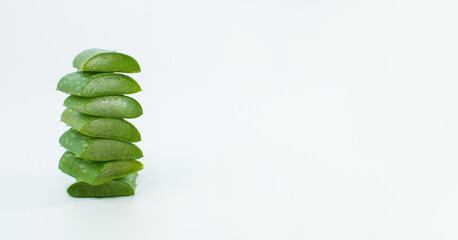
x,y
119,187
97,84
96,173
98,149
106,106
100,60
113,128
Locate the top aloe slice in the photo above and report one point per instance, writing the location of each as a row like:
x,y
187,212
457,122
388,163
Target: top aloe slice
x,y
119,187
98,149
97,84
100,60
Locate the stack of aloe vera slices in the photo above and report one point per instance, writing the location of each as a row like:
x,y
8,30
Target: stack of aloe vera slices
x,y
101,153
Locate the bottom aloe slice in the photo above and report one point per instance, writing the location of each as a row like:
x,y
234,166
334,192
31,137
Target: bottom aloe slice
x,y
113,128
96,173
98,149
119,187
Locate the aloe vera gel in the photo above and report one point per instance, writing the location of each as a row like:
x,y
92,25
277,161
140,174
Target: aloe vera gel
x,y
101,153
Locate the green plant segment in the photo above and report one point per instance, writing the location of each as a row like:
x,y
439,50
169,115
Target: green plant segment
x,y
106,106
119,187
96,173
100,154
87,84
99,127
99,60
98,149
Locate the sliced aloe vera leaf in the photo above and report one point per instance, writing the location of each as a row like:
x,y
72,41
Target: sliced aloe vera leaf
x,y
98,149
113,128
87,84
119,187
100,60
106,106
96,173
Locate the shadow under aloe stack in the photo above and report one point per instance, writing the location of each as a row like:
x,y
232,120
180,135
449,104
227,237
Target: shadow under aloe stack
x,y
100,151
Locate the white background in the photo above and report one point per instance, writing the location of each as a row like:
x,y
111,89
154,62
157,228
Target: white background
x,y
269,119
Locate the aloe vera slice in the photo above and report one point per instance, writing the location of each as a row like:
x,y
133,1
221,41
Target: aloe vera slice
x,y
106,106
98,149
119,187
97,84
96,173
100,60
113,128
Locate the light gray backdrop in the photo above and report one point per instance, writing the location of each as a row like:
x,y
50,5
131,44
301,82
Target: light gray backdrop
x,y
269,119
